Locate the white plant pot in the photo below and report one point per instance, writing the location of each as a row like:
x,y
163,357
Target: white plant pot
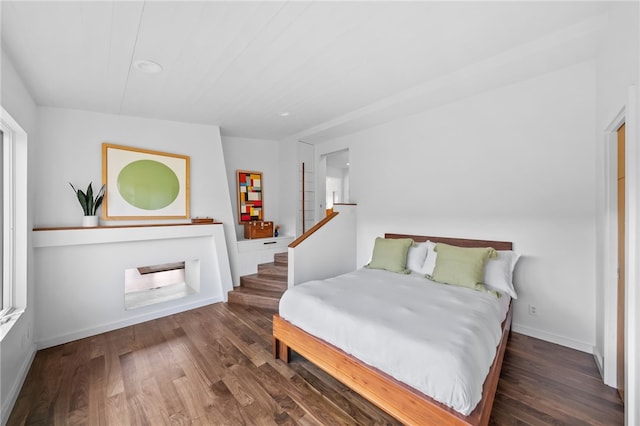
x,y
89,221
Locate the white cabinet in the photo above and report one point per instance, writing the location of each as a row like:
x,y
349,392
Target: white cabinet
x,y
251,253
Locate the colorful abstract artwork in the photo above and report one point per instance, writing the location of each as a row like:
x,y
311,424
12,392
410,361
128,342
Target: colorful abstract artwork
x,y
144,184
250,200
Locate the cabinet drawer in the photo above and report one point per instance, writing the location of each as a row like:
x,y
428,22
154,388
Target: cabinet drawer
x,y
279,243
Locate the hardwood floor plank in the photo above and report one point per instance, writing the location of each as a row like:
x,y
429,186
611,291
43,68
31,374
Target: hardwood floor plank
x,y
299,401
213,366
97,387
560,397
118,343
129,378
64,403
277,387
151,402
226,404
193,361
583,384
198,403
117,410
244,386
520,414
35,407
341,396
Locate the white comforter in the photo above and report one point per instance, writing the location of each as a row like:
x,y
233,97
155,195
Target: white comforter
x,y
439,339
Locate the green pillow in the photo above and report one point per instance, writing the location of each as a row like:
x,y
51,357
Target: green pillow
x,y
461,266
391,255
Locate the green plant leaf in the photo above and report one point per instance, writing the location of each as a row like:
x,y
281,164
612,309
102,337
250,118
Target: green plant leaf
x,y
82,198
97,204
90,209
99,199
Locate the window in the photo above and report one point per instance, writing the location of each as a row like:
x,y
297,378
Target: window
x,y
13,220
5,229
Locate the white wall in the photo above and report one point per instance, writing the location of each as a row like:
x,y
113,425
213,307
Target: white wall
x,y
515,164
259,155
17,348
289,186
71,152
256,155
81,276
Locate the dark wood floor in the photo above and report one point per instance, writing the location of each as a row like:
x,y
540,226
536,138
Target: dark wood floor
x,y
213,366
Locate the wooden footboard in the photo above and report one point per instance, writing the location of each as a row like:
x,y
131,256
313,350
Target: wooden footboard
x,y
396,398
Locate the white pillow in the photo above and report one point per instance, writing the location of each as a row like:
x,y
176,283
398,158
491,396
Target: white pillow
x,y
430,261
498,272
416,256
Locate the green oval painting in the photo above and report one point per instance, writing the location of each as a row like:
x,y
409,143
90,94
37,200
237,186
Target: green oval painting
x,y
148,184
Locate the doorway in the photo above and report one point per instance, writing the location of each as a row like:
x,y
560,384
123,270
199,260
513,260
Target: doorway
x,y
620,347
336,178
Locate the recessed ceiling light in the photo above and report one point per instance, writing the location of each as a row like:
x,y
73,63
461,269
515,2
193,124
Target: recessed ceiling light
x,y
348,164
148,67
285,114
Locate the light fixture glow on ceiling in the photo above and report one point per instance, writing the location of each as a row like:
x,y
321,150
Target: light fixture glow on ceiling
x,y
148,67
285,114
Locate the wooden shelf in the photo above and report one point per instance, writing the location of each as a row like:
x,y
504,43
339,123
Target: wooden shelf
x,y
70,228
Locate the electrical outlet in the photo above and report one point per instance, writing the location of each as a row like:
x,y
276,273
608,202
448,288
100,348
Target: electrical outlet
x,y
533,310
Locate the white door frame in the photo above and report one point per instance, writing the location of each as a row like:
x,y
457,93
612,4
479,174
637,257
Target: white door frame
x,y
610,360
632,296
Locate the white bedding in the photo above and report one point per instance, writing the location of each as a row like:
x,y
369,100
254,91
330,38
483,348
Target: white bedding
x,y
439,339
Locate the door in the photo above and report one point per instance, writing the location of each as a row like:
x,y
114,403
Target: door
x,y
621,260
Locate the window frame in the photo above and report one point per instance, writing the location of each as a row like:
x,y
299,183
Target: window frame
x,y
14,222
7,302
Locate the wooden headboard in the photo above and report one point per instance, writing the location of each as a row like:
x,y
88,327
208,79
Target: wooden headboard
x,y
460,242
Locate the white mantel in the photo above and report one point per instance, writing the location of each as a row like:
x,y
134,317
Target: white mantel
x,y
80,275
51,237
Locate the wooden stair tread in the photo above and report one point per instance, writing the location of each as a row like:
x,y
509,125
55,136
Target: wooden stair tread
x,y
273,270
267,299
264,289
258,282
258,291
281,259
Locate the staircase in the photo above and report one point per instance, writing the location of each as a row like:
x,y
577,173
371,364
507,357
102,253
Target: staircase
x,y
264,289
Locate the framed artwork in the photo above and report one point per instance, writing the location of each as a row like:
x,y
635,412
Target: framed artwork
x,y
144,184
250,198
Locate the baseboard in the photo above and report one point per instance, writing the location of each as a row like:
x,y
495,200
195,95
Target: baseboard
x,y
17,386
102,328
553,338
599,362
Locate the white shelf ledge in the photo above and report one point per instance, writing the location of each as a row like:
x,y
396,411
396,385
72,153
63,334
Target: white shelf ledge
x,y
56,237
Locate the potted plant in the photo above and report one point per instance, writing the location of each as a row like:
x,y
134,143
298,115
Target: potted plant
x,y
89,203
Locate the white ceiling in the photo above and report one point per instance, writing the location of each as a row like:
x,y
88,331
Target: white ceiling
x,y
336,67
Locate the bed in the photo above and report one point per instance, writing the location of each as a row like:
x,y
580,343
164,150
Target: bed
x,y
407,403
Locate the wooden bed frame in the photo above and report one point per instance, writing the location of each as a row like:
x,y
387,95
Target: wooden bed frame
x,y
403,402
